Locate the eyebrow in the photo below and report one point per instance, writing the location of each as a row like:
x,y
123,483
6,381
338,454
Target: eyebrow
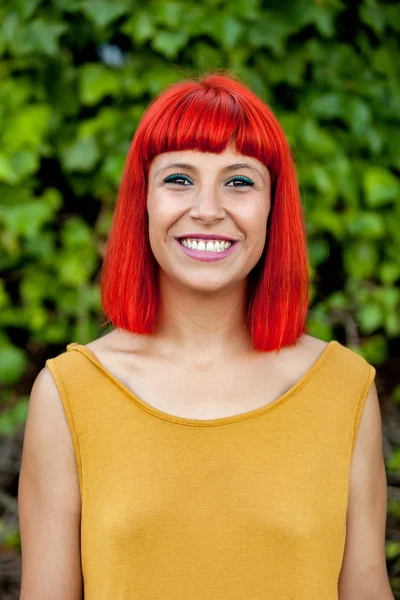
x,y
190,167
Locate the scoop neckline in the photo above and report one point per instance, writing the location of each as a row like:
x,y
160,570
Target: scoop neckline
x,y
256,412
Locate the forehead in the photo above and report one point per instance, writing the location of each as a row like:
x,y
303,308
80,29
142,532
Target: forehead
x,y
207,160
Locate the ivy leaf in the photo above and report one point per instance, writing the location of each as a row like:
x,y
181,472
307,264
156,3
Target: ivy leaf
x,y
270,31
139,27
168,43
97,81
26,220
12,364
360,259
103,12
28,128
81,155
169,13
316,140
370,317
373,16
226,30
26,8
45,35
7,172
380,187
11,419
24,163
369,225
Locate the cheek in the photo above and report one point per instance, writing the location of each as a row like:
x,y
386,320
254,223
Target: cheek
x,y
161,219
254,220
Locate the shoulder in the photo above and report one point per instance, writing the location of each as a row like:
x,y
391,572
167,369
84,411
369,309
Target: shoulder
x,y
47,440
116,341
302,356
364,562
310,347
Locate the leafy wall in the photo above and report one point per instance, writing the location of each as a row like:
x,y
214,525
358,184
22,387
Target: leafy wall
x,y
75,78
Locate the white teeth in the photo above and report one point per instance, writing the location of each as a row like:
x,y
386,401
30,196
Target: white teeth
x,y
210,246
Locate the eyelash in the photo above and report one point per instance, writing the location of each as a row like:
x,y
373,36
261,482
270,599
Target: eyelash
x,y
171,178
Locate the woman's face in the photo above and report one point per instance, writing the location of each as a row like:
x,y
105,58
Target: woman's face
x,y
192,193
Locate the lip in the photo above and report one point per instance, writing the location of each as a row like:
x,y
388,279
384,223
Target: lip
x,y
201,255
206,236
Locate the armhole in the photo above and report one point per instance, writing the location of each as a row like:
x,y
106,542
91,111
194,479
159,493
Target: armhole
x,y
361,404
50,363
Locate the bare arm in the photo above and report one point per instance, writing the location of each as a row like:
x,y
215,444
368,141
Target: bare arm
x,y
364,575
49,504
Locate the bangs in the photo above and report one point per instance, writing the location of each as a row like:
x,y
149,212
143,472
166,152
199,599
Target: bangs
x,y
207,120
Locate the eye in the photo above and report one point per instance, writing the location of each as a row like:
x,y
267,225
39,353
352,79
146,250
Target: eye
x,y
243,181
174,179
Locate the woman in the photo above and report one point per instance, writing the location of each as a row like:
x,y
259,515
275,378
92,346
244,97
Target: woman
x,y
206,446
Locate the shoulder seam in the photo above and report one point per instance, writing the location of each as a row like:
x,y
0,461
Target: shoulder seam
x,y
51,364
360,404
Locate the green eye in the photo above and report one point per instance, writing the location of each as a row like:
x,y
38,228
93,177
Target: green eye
x,y
175,178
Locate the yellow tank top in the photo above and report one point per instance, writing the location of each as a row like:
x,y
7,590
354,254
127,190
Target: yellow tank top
x,y
247,507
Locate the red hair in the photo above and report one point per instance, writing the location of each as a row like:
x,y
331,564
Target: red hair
x,y
205,115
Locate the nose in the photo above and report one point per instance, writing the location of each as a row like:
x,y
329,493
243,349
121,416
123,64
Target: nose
x,y
208,205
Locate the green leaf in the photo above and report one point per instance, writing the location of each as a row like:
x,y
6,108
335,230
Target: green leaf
x,y
14,417
327,220
339,301
370,317
357,114
103,12
168,13
319,177
7,171
368,225
206,56
140,27
72,270
392,16
270,31
168,43
360,259
389,272
393,462
392,548
76,233
24,164
44,36
112,168
26,8
26,220
28,128
81,155
327,106
384,61
319,252
226,29
380,187
12,364
396,394
97,81
374,16
316,140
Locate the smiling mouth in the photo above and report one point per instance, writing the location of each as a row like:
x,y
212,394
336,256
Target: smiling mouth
x,y
229,242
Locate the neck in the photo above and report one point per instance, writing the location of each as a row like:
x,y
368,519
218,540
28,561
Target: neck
x,y
203,327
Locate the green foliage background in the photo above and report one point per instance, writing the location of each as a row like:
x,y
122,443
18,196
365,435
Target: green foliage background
x,y
75,77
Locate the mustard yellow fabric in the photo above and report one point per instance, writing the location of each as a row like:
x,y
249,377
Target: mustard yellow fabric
x,y
249,507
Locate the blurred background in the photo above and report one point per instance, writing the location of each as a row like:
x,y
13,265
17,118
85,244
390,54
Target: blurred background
x,y
75,78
